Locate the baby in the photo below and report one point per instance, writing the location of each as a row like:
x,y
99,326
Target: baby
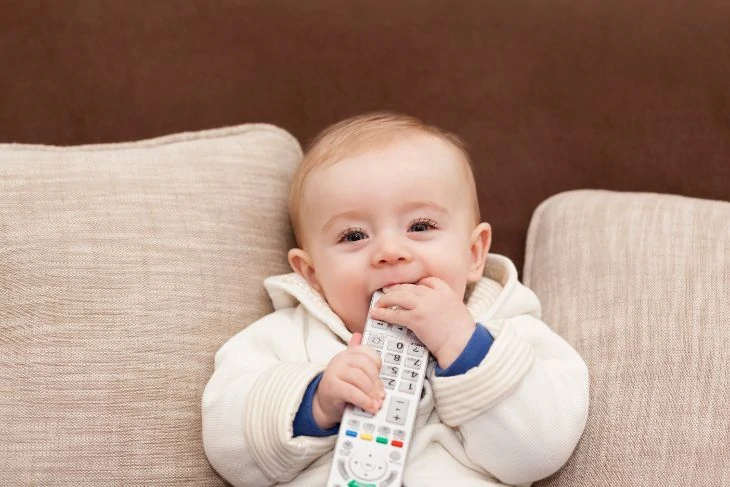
x,y
385,201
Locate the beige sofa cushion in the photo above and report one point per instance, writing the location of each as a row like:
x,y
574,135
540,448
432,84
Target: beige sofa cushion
x,y
639,284
123,268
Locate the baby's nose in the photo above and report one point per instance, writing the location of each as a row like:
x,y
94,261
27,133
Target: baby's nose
x,y
391,251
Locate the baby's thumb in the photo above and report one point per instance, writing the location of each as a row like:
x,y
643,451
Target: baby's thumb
x,y
355,340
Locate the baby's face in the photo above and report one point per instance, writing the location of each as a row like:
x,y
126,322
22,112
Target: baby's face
x,y
390,216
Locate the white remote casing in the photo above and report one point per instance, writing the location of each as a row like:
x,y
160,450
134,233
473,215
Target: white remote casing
x,y
371,449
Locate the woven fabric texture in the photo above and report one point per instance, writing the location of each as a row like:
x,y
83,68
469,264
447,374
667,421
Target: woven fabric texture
x,y
639,283
123,268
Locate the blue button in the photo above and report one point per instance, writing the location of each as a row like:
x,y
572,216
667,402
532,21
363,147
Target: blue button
x,y
351,433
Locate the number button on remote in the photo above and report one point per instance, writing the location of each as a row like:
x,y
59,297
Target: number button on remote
x,y
396,346
407,387
410,375
415,349
389,370
393,358
413,362
388,383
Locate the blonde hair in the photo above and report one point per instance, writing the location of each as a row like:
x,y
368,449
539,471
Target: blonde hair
x,y
355,135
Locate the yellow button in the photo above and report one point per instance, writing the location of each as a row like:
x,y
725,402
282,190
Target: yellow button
x,y
366,436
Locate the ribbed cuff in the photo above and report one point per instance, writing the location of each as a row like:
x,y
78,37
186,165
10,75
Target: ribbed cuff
x,y
474,352
462,397
304,423
268,422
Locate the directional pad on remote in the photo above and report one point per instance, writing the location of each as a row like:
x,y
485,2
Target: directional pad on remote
x,y
368,465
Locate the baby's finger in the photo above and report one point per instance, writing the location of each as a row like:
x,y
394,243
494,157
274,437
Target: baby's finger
x,y
356,339
367,352
406,287
434,283
367,360
360,379
395,315
358,398
401,299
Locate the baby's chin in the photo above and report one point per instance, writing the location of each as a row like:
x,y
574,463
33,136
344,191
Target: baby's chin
x,y
356,324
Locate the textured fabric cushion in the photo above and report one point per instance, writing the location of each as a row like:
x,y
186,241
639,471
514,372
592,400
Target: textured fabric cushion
x,y
639,284
123,268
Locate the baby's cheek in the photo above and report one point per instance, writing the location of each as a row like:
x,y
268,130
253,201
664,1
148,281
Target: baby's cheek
x,y
352,314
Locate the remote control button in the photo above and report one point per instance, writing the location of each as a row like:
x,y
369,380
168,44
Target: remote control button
x,y
355,483
393,358
396,443
388,383
351,433
401,330
353,423
397,411
375,340
390,370
407,387
394,455
380,325
416,349
413,362
366,437
381,439
384,430
399,434
396,345
369,466
389,480
410,375
361,412
369,427
343,470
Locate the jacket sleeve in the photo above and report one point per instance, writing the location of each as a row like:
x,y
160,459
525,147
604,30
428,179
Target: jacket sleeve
x,y
531,404
250,402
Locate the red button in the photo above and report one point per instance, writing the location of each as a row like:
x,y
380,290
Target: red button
x,y
397,443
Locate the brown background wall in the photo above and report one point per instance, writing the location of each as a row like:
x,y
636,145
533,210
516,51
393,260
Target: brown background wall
x,y
550,96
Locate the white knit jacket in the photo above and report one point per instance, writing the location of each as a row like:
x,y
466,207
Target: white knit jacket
x,y
514,419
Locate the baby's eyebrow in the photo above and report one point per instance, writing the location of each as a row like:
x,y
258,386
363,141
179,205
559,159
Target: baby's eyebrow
x,y
345,215
418,205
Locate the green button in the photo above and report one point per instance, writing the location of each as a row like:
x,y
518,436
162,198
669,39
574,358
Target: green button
x,y
382,440
355,483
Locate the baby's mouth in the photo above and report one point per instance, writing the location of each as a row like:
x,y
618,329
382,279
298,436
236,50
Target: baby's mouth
x,y
398,283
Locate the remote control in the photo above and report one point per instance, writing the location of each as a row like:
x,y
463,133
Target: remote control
x,y
371,449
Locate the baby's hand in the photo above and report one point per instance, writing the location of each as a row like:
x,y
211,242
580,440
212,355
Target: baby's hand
x,y
353,376
433,311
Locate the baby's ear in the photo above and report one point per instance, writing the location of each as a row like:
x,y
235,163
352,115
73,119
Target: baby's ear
x,y
301,263
481,240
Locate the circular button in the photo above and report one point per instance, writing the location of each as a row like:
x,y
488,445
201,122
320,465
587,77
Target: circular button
x,y
367,465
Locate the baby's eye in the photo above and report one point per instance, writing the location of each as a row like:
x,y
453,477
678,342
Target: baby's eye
x,y
352,235
422,225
